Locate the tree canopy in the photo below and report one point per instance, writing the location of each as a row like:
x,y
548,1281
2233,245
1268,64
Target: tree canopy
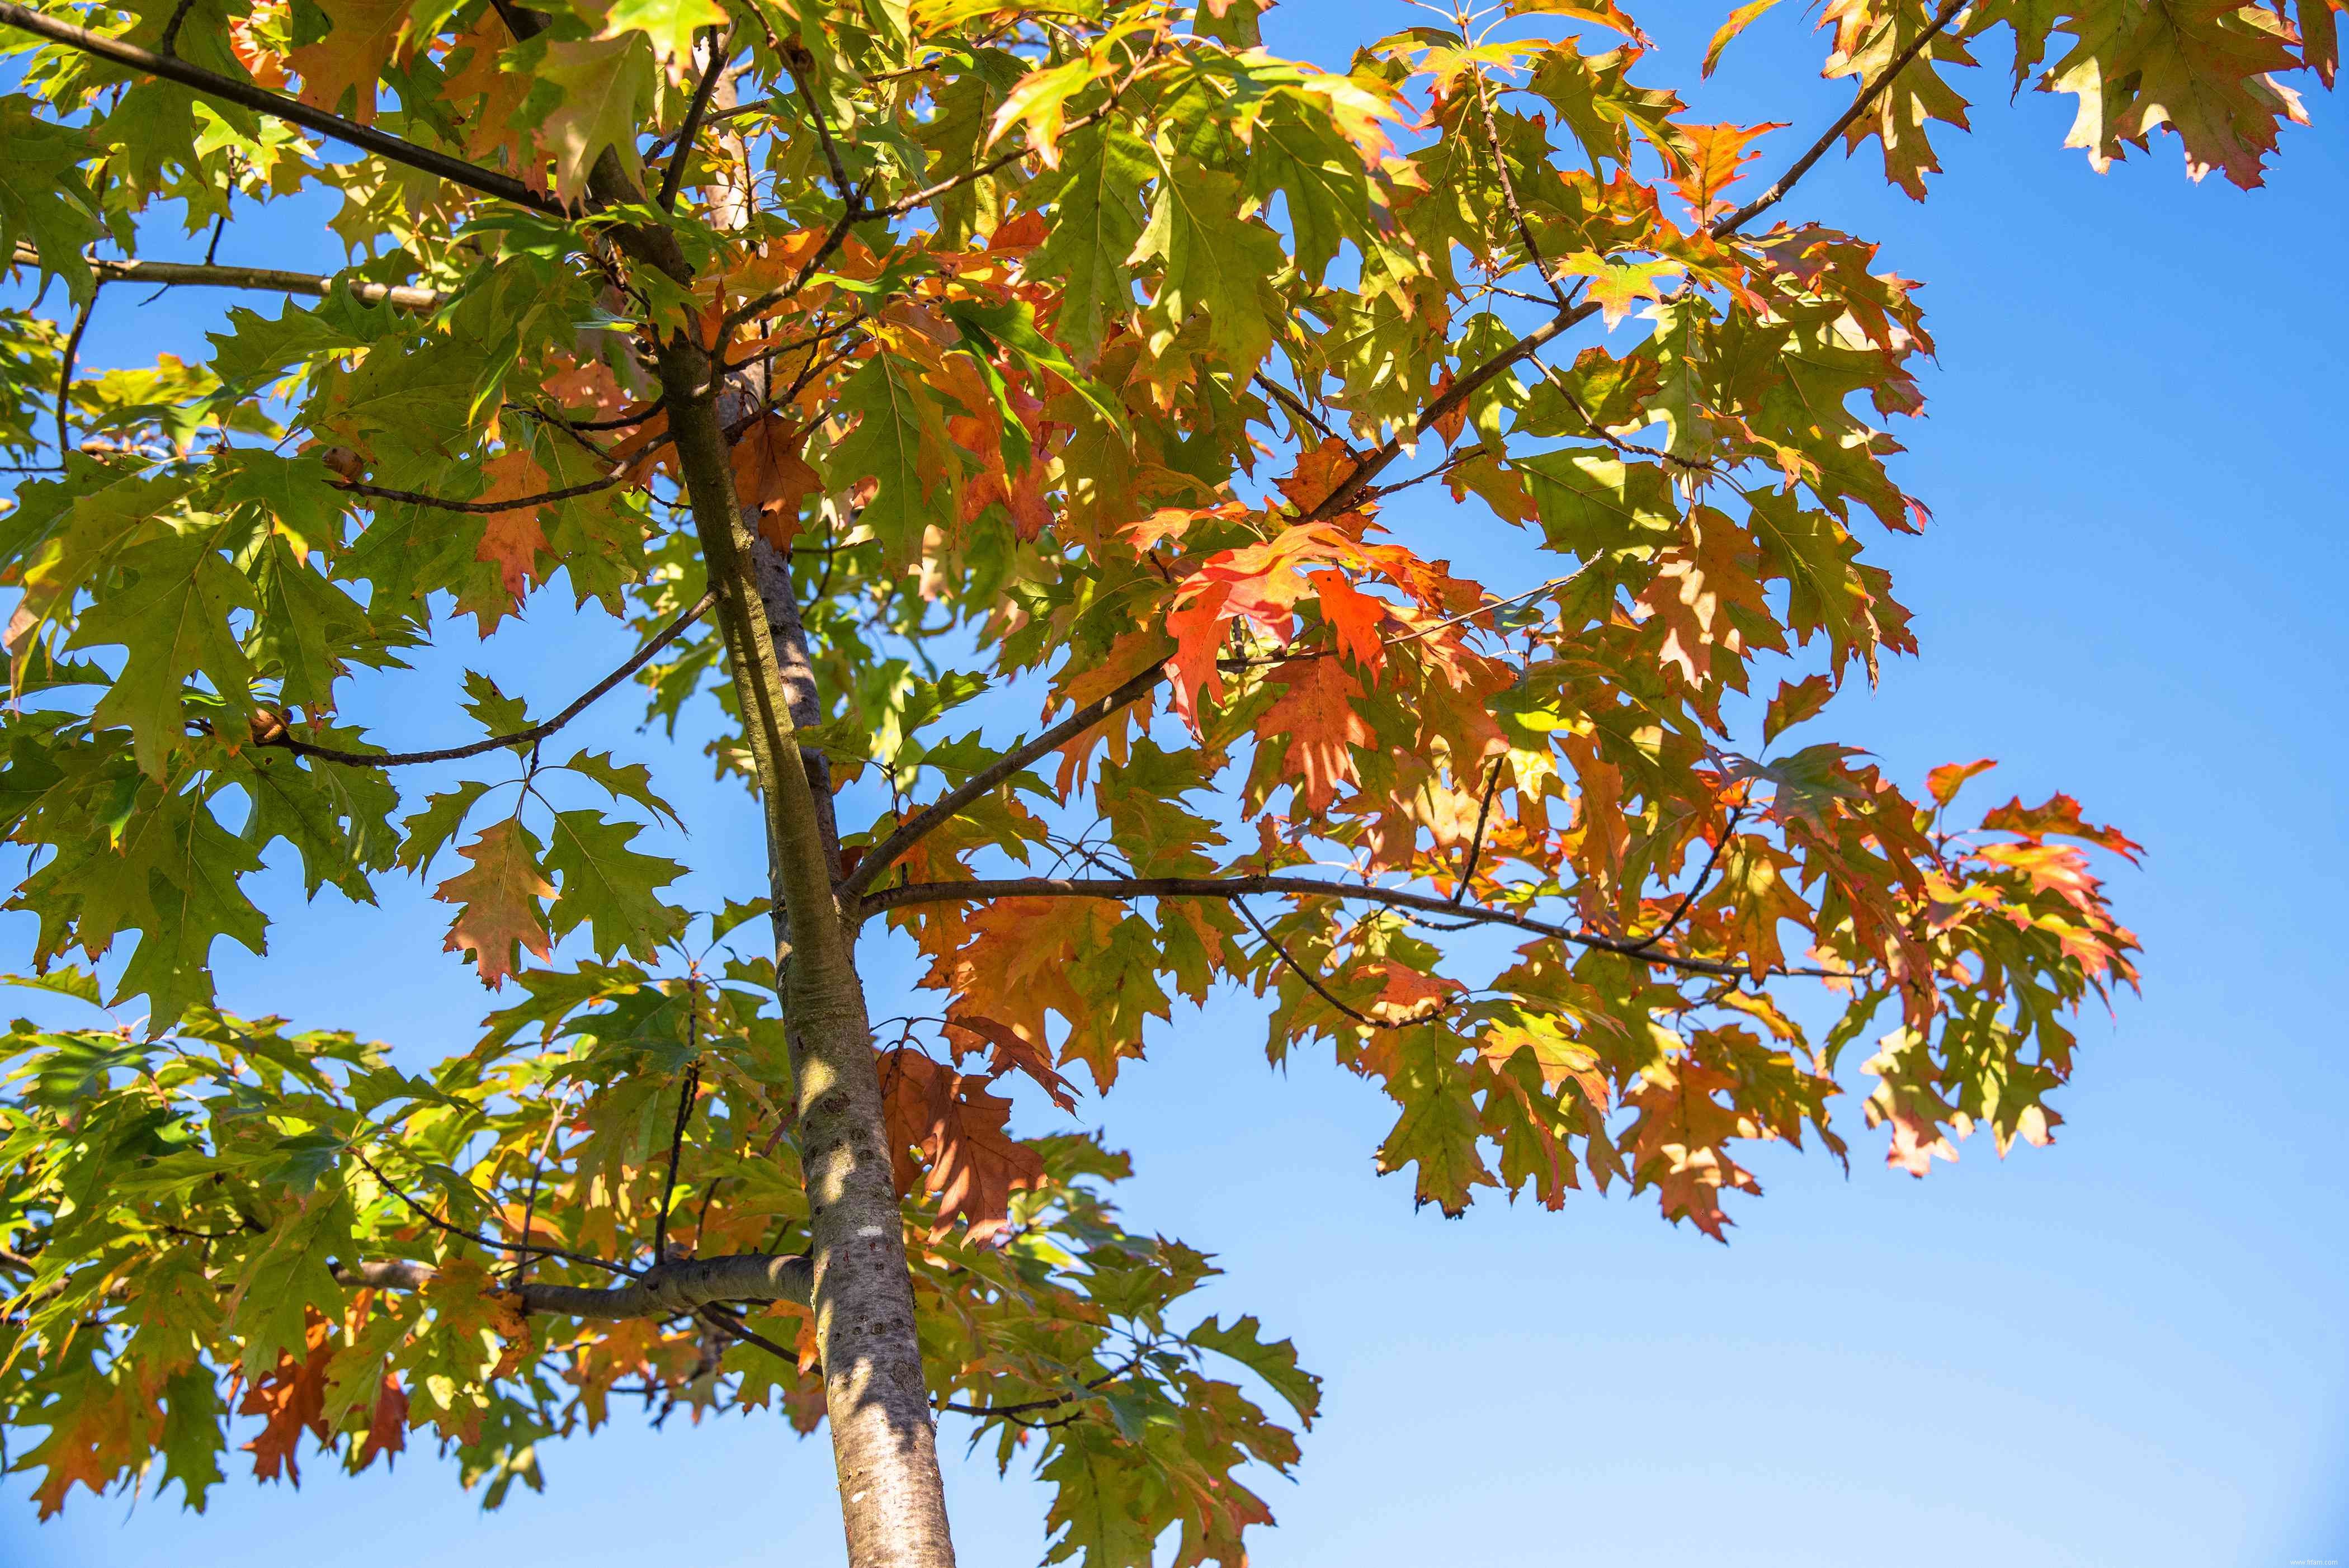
x,y
862,359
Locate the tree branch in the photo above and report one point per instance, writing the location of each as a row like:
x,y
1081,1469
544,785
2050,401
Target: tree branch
x,y
688,1285
537,732
476,508
887,853
1124,888
1785,183
487,181
205,274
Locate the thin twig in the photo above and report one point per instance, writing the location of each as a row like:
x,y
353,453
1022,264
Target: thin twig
x,y
429,1217
1295,405
1694,891
1510,188
719,56
1476,843
688,1092
65,367
729,1323
535,733
1324,992
888,853
823,128
530,1202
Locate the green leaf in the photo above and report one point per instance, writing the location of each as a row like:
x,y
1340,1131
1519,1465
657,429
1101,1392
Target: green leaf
x,y
1274,1362
609,886
43,196
172,621
670,24
291,1271
1215,261
193,1414
302,625
607,85
1097,220
426,832
632,782
491,708
1592,503
900,445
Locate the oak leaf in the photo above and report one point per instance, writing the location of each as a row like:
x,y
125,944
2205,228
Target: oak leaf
x,y
498,901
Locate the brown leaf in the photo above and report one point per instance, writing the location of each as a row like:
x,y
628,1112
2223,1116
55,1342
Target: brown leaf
x,y
499,909
1008,1048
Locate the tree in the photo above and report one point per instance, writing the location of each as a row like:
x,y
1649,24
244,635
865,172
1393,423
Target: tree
x,y
863,359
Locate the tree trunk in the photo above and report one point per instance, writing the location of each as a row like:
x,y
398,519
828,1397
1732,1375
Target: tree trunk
x,y
884,1439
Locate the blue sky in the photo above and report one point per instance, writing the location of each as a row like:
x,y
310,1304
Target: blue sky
x,y
2126,1349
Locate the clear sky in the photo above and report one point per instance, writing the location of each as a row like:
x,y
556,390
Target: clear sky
x,y
2129,1348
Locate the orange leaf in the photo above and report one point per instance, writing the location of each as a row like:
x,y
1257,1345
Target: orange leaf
x,y
1943,782
1717,161
364,37
513,540
2060,817
498,900
974,1165
386,1432
1319,474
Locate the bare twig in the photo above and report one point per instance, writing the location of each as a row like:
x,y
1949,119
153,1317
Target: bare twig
x,y
66,366
688,1092
437,1223
1294,404
1695,891
534,734
206,274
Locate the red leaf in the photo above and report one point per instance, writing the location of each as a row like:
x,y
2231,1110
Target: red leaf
x,y
1354,616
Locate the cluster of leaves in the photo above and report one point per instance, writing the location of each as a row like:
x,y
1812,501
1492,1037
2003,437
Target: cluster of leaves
x,y
1077,349
192,1218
